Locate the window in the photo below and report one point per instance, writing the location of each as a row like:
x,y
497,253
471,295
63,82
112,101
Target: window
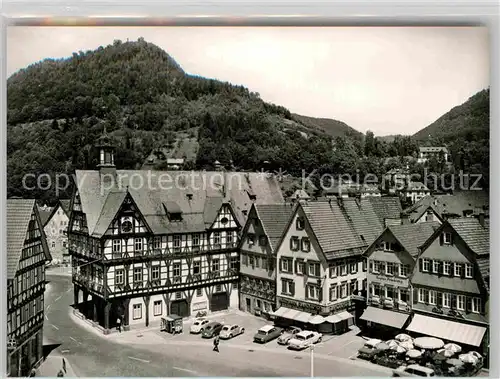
x,y
244,259
333,292
252,260
294,243
387,246
234,263
218,288
157,243
343,269
314,269
435,267
157,305
262,240
389,292
229,238
257,262
119,277
53,244
446,300
376,289
353,267
468,270
446,268
199,292
459,269
353,287
300,268
251,239
403,270
306,245
196,267
155,272
137,311
364,265
389,268
447,238
138,244
426,265
313,292
300,223
117,246
422,295
403,295
264,263
215,265
432,297
176,270
287,287
285,265
137,274
333,271
476,305
216,238
196,240
343,290
177,241
460,302
376,267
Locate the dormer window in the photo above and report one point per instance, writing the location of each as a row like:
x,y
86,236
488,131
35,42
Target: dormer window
x,y
175,216
447,238
251,239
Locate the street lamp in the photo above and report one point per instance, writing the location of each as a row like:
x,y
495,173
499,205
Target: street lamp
x,y
312,361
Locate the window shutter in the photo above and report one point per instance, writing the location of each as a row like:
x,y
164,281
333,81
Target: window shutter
x,y
439,299
292,288
468,304
440,268
320,297
421,264
296,266
318,269
415,295
306,268
291,243
371,266
356,267
453,301
426,296
441,239
281,264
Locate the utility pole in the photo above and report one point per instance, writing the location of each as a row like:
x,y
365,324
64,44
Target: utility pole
x,y
312,361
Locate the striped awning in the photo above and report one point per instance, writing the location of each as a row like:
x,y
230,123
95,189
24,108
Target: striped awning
x,y
385,317
333,319
447,330
292,314
344,315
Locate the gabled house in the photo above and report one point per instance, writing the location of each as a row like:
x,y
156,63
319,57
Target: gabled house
x,y
56,227
146,244
451,284
387,208
391,259
320,263
413,192
437,152
27,253
259,240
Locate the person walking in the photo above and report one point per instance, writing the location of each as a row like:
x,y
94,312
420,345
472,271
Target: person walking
x,y
216,343
119,324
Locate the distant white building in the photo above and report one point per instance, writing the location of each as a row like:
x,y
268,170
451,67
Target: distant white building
x,y
415,191
175,163
427,152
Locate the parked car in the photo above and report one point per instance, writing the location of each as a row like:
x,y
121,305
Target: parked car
x,y
304,339
413,370
368,352
230,331
211,330
288,334
267,333
198,325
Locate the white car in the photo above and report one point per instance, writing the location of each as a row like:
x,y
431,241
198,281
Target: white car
x,y
198,325
304,339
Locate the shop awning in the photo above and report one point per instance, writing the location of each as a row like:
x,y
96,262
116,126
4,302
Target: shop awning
x,y
344,315
447,330
333,319
385,317
292,314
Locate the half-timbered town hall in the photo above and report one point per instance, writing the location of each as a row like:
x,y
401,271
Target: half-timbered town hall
x,y
27,252
145,244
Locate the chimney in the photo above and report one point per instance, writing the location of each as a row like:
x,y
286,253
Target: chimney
x,y
405,218
481,218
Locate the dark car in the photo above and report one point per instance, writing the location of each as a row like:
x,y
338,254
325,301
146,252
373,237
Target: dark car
x,y
212,329
368,352
288,334
267,333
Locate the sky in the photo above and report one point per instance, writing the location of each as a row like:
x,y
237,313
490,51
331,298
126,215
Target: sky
x,y
390,80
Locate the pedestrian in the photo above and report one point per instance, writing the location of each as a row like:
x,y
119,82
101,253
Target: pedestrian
x,y
216,343
119,324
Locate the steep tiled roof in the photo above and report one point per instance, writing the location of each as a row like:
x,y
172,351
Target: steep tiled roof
x,y
363,218
44,215
151,189
19,213
388,207
474,235
450,205
412,236
65,204
335,234
274,219
18,217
